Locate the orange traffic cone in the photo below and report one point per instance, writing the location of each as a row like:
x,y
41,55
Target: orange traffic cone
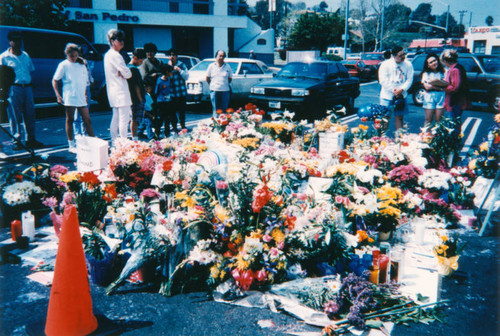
x,y
70,304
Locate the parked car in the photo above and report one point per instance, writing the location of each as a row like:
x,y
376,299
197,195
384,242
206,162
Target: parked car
x,y
246,73
189,61
46,49
483,74
308,89
358,68
372,60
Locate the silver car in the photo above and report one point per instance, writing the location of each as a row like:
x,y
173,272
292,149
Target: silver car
x,y
246,73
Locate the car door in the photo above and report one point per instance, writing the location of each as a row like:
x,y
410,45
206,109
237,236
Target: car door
x,y
475,77
334,90
249,74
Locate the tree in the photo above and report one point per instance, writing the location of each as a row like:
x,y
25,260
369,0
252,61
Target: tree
x,y
317,31
422,13
261,14
489,20
441,21
47,14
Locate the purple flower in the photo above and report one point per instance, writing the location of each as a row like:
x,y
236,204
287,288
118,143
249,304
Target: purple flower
x,y
51,202
332,308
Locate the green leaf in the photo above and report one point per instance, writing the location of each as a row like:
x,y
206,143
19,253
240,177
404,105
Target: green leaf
x,y
376,324
422,298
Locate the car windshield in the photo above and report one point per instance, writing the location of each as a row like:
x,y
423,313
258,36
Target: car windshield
x,y
490,64
307,70
349,62
372,57
203,66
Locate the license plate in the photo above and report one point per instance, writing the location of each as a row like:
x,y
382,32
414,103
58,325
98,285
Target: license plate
x,y
274,104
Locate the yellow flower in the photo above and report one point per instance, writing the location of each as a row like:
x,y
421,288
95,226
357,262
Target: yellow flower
x,y
444,238
214,271
277,235
472,164
69,177
222,275
189,202
355,130
497,118
238,240
363,127
220,213
483,147
241,262
281,265
181,195
247,142
256,234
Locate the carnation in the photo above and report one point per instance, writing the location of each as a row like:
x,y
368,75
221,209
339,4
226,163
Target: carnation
x,y
20,192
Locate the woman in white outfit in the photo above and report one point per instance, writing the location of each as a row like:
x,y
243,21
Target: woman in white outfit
x,y
74,76
117,73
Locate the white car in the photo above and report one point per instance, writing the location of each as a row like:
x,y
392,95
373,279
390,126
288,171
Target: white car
x,y
246,73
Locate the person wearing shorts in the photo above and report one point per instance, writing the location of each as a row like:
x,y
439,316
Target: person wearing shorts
x,y
396,76
434,95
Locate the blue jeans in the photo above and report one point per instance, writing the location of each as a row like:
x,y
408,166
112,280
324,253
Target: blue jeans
x,y
456,115
220,100
21,108
78,127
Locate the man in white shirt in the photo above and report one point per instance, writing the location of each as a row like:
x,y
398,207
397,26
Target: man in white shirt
x,y
21,105
219,76
395,77
117,73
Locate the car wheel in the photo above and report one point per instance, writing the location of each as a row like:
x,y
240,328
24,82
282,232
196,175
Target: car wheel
x,y
418,96
494,102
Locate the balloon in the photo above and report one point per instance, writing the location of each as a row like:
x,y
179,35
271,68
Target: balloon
x,y
212,158
372,111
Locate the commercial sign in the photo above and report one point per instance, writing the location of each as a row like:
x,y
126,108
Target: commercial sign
x,y
104,16
484,30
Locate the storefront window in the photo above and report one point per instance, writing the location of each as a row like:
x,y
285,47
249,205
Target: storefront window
x,y
479,47
124,4
80,3
201,6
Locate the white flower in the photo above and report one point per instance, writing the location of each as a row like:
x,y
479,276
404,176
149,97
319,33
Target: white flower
x,y
288,115
253,245
434,179
20,192
368,176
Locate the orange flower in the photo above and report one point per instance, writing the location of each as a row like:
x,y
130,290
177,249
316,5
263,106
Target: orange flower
x,y
219,111
230,110
90,178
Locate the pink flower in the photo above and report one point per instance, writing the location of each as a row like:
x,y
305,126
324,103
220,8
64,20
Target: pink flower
x,y
261,275
243,279
222,185
68,198
267,238
274,252
281,245
149,193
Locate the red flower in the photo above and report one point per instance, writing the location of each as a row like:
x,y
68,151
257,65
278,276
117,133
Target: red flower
x,y
90,178
243,279
168,164
261,196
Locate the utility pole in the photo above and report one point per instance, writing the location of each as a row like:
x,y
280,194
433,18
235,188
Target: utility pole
x,y
382,26
346,32
462,13
470,19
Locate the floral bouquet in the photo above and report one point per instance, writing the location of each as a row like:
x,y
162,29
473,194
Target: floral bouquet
x,y
486,160
447,253
442,139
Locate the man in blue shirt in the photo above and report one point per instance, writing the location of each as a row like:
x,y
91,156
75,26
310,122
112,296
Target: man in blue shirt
x,y
178,88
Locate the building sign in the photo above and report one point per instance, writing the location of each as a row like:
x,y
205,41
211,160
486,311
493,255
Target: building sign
x,y
484,30
104,16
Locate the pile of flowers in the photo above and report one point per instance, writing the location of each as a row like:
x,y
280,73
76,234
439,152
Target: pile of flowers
x,y
235,200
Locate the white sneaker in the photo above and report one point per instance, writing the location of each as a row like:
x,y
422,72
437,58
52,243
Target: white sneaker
x,y
72,150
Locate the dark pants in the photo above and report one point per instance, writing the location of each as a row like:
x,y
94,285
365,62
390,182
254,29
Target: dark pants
x,y
166,116
179,107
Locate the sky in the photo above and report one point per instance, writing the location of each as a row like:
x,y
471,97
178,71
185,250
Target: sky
x,y
480,9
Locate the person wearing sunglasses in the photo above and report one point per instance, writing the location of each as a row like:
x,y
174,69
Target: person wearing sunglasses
x,y
395,77
117,73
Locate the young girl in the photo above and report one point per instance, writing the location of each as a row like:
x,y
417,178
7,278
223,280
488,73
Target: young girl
x,y
149,115
74,76
433,96
164,98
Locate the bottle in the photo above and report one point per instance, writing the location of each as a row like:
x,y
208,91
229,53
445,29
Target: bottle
x,y
16,229
397,257
383,263
373,274
28,223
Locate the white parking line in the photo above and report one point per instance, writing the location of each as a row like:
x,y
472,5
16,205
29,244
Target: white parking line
x,y
472,134
348,119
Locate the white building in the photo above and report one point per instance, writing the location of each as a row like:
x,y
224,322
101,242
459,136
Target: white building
x,y
484,40
198,27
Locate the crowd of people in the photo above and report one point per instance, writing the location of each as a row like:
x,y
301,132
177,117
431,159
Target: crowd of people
x,y
445,89
147,94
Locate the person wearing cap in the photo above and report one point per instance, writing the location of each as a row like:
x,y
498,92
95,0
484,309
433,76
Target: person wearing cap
x,y
152,66
178,89
252,55
395,77
21,105
117,73
137,90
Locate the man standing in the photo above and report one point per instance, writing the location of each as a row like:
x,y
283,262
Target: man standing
x,y
117,73
395,77
137,91
21,105
152,67
178,88
219,76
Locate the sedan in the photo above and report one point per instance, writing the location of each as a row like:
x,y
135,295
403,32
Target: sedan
x,y
246,73
358,68
307,88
